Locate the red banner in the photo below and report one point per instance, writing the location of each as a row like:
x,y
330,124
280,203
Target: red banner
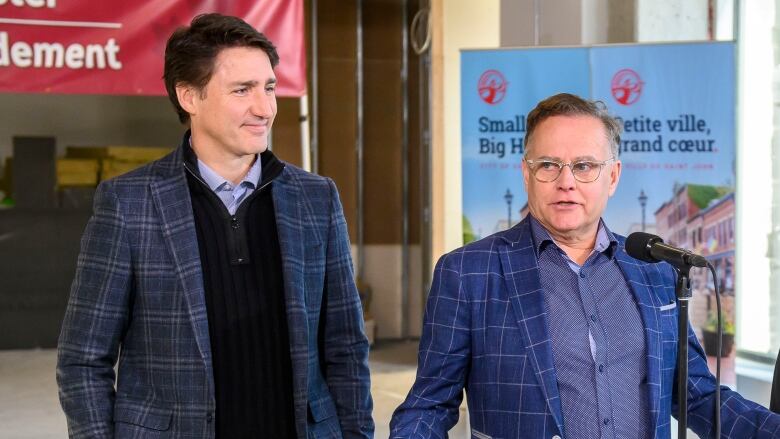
x,y
117,47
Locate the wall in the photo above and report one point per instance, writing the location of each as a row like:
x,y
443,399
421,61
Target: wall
x,y
88,120
459,24
566,22
671,20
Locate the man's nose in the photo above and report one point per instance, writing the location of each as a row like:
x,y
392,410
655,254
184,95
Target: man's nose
x,y
566,179
262,105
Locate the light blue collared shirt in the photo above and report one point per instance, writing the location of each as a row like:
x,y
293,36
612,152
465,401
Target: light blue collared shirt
x,y
597,338
232,195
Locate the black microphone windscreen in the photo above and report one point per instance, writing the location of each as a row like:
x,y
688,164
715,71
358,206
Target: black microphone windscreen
x,y
638,245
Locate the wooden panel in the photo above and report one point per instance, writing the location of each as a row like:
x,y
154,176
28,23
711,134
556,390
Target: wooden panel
x,y
382,115
337,32
383,135
287,131
383,210
337,132
336,43
382,30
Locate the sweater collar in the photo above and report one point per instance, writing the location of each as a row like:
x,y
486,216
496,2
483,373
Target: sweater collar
x,y
270,165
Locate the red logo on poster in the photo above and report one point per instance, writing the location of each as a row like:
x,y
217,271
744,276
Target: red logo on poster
x,y
492,87
626,86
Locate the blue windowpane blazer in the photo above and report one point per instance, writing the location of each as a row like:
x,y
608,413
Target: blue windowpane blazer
x,y
138,298
485,331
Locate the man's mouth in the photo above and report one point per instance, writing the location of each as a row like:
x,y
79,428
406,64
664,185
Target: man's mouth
x,y
566,203
257,127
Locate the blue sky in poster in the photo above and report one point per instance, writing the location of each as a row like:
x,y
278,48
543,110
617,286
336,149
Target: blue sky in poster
x,y
686,102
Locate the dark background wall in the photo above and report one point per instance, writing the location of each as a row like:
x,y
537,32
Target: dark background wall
x,y
38,250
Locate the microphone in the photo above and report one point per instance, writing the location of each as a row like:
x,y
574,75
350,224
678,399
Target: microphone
x,y
651,248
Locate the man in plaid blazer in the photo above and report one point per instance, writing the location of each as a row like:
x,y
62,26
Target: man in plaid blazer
x,y
214,337
550,327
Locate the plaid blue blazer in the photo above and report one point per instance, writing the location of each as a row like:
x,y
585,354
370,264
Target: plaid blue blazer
x,y
485,331
138,297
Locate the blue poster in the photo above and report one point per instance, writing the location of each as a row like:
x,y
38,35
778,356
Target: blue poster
x,y
676,103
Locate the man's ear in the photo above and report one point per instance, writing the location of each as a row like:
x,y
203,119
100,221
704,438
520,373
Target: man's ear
x,y
188,98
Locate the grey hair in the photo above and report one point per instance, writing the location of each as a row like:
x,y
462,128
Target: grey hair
x,y
567,104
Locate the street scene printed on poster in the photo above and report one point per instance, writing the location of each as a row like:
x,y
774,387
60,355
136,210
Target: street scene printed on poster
x,y
676,103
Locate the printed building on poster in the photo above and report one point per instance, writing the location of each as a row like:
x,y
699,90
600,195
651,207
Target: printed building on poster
x,y
715,240
701,218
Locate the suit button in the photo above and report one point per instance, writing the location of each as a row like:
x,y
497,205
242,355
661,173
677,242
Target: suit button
x,y
209,418
556,437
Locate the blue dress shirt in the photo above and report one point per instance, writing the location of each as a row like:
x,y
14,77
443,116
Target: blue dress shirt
x,y
232,195
598,341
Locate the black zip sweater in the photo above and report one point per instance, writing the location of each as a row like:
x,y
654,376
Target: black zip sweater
x,y
242,277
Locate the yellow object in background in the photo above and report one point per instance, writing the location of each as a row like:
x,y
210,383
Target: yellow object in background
x,y
77,172
143,154
116,160
110,168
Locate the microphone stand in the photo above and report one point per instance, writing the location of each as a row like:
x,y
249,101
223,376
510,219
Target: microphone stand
x,y
651,248
683,290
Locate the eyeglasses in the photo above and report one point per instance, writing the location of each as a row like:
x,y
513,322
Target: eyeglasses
x,y
584,171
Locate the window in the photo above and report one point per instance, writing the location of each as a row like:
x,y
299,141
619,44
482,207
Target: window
x,y
758,216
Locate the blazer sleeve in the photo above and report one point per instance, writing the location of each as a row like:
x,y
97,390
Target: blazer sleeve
x,y
431,407
740,418
345,343
95,318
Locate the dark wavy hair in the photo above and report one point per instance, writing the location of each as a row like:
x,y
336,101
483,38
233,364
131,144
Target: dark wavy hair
x,y
566,104
192,50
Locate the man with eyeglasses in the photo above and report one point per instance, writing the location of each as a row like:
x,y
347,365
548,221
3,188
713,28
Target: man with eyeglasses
x,y
550,327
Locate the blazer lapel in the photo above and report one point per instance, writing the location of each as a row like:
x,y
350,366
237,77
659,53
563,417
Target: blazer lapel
x,y
172,199
639,284
289,211
521,275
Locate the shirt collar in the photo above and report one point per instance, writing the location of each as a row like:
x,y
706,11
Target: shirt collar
x,y
605,239
216,181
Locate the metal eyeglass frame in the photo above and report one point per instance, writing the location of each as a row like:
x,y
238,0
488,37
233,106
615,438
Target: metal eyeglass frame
x,y
601,165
